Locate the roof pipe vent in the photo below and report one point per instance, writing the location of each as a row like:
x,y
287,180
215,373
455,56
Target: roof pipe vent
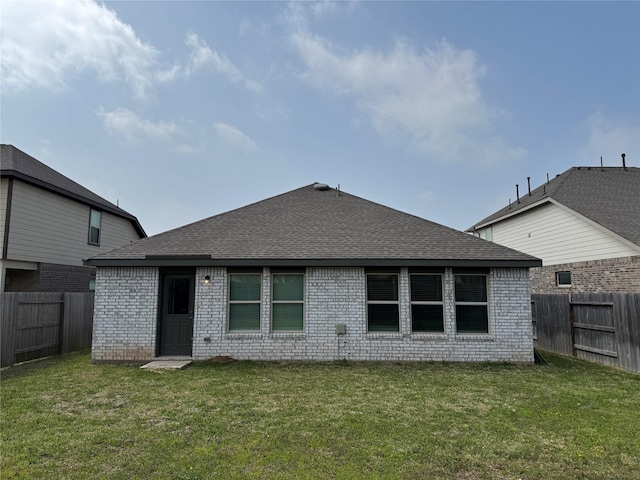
x,y
529,185
624,164
321,187
518,192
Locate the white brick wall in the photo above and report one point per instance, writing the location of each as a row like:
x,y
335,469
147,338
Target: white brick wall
x,y
126,318
125,313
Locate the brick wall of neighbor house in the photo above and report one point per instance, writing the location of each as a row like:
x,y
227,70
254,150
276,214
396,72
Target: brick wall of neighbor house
x,y
50,277
125,320
125,313
612,275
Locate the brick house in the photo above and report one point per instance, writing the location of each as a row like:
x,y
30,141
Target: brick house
x,y
585,226
313,274
49,224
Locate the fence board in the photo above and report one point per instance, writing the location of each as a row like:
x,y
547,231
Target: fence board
x,y
40,324
553,328
627,324
599,327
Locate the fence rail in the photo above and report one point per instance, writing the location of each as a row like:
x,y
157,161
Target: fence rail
x,y
600,327
40,324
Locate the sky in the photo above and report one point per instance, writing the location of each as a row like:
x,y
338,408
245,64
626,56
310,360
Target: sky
x,y
178,111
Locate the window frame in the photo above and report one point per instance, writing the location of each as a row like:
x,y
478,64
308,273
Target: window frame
x,y
563,285
413,302
383,302
467,303
99,228
244,302
289,302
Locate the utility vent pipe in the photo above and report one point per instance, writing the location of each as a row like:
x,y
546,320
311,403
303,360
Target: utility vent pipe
x,y
624,165
518,192
529,185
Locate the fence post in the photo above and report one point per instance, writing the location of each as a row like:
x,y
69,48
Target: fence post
x,y
572,324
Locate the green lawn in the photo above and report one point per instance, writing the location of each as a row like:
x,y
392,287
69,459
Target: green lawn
x,y
67,418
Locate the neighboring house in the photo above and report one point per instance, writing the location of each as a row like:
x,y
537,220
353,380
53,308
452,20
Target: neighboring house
x,y
314,274
585,226
49,224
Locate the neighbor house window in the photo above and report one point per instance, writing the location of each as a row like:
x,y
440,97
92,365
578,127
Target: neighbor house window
x,y
244,302
472,308
287,296
382,302
95,222
427,313
92,283
488,234
563,279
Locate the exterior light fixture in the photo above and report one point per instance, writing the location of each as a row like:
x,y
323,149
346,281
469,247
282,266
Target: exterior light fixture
x,y
207,280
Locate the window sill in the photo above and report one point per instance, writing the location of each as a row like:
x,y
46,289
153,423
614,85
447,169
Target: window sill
x,y
474,337
385,335
288,335
242,335
426,337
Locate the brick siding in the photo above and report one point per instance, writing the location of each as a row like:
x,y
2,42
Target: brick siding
x,y
126,302
612,275
49,277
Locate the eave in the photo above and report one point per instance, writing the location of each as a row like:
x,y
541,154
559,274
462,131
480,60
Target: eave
x,y
207,261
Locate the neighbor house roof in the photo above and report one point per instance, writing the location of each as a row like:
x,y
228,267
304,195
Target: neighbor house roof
x,y
314,225
17,164
609,196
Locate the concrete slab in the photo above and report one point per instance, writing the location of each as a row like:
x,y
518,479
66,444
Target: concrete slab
x,y
167,364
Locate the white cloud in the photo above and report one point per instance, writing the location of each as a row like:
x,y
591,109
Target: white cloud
x,y
431,96
233,137
45,43
610,138
132,128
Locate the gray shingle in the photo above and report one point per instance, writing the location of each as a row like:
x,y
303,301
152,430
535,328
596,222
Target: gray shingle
x,y
322,227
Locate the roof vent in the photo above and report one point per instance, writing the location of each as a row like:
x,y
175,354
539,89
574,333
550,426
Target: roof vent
x,y
321,187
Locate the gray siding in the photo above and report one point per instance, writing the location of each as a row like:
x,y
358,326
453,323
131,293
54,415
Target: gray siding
x,y
48,228
4,186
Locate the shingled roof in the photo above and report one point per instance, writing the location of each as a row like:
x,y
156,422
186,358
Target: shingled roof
x,y
17,164
314,225
609,196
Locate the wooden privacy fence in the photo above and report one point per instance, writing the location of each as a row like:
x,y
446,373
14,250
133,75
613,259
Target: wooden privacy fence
x,y
600,327
39,324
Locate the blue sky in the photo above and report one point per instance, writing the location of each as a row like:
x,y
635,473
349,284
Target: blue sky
x,y
183,110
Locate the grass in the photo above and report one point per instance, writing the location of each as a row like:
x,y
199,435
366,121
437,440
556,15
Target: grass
x,y
67,418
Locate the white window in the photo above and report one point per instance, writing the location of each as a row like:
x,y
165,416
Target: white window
x,y
287,297
244,302
427,312
95,223
382,302
563,279
472,307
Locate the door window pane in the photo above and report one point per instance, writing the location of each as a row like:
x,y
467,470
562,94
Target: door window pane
x,y
178,300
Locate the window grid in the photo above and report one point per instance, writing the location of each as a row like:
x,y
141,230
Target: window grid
x,y
254,301
389,318
484,310
440,303
95,226
275,320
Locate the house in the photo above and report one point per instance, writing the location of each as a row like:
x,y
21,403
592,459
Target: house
x,y
49,224
313,274
585,226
